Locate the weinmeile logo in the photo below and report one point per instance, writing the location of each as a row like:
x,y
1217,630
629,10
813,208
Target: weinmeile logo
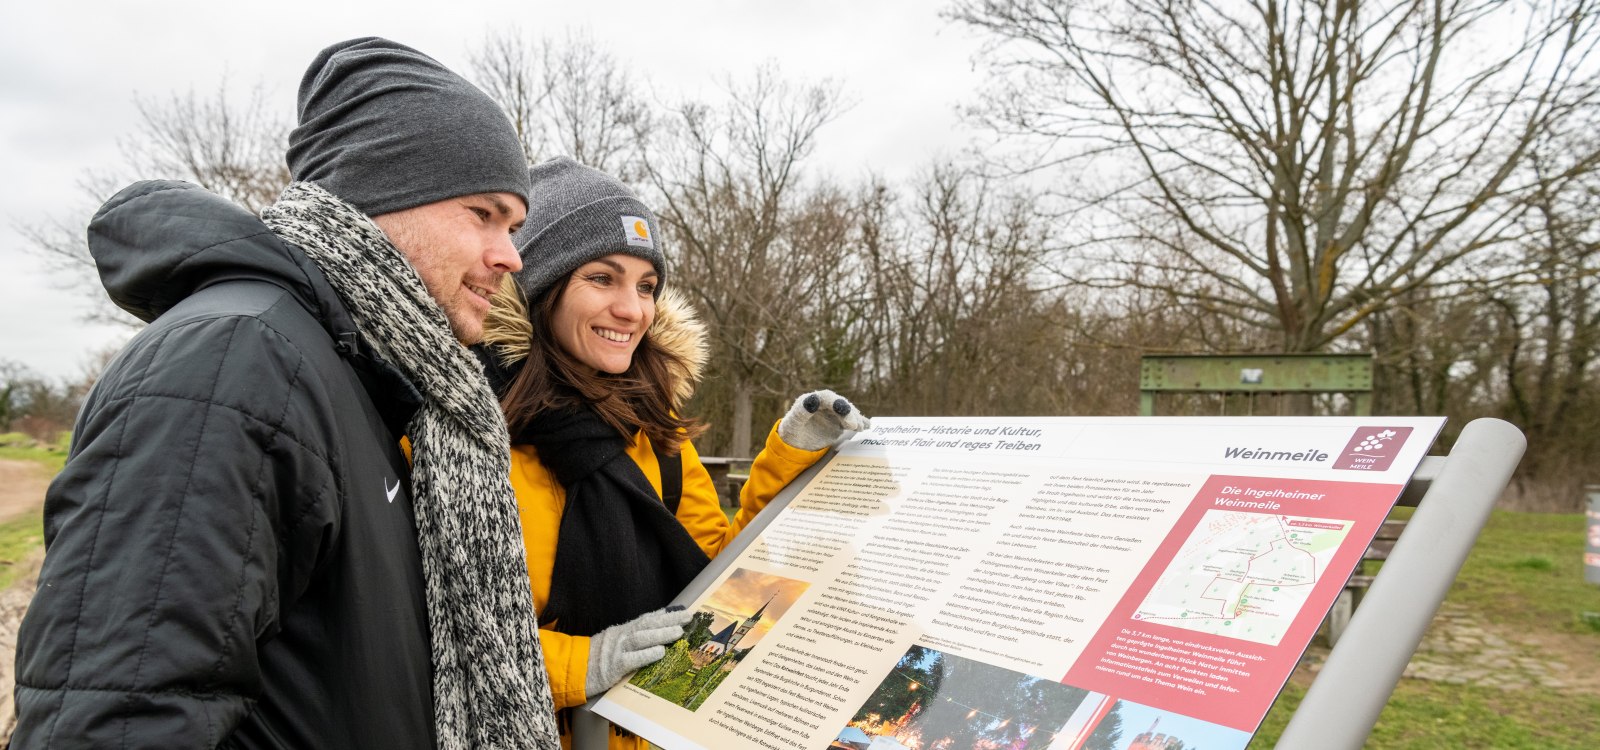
x,y
1372,448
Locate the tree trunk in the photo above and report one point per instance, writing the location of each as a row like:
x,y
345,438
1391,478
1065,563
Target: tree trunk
x,y
739,444
1298,405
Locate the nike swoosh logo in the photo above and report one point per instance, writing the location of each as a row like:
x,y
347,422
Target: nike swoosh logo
x,y
395,490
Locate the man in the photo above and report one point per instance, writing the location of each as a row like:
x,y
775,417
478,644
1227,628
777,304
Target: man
x,y
238,554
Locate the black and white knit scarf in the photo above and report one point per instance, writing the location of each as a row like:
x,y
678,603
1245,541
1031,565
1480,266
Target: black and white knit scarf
x,y
489,683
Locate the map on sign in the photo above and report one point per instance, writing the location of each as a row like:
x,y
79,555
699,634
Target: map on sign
x,y
1244,575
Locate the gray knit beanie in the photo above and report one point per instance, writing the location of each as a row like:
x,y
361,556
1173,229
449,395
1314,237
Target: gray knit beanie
x,y
577,215
387,128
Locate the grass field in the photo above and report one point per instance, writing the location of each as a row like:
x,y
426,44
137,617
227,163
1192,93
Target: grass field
x,y
1524,578
19,538
50,458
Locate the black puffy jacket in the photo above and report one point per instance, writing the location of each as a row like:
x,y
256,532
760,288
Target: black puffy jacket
x,y
231,551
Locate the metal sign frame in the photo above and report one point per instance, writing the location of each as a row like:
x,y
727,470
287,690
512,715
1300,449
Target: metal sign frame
x,y
1457,492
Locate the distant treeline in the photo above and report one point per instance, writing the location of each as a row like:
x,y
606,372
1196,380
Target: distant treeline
x,y
1147,176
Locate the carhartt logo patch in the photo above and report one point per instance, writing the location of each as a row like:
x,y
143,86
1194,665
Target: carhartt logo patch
x,y
636,232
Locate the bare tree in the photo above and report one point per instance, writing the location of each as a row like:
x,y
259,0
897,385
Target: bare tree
x,y
737,212
1549,315
508,68
1436,352
13,379
1296,165
230,145
566,98
35,405
1521,343
965,323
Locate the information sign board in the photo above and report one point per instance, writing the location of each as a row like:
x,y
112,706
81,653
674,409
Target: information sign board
x,y
1028,583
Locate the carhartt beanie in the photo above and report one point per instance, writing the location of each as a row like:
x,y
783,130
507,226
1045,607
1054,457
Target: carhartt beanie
x,y
387,128
576,215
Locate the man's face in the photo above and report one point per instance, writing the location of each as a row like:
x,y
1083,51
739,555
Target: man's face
x,y
461,247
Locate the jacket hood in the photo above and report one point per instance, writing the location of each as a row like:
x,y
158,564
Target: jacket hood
x,y
677,330
159,241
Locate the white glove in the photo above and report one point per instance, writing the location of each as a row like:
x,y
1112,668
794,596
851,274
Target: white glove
x,y
818,419
618,650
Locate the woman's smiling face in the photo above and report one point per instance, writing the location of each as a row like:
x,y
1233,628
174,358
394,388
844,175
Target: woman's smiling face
x,y
604,311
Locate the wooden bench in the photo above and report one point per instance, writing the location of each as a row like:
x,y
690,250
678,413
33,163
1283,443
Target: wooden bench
x,y
729,475
1350,598
1378,551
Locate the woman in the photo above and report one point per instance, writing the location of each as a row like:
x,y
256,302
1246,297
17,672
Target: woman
x,y
592,363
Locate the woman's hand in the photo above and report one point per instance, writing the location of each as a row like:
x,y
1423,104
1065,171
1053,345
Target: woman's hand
x,y
817,419
618,650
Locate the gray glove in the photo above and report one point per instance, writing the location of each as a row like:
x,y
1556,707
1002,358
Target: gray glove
x,y
618,650
818,418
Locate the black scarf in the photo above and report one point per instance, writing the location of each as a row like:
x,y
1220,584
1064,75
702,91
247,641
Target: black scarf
x,y
620,553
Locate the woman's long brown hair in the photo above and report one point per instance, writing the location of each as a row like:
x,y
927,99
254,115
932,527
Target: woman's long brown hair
x,y
639,399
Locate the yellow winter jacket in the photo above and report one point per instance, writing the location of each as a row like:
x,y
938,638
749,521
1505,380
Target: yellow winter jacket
x,y
540,500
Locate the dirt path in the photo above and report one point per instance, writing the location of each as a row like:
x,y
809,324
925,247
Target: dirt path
x,y
13,604
22,485
1460,649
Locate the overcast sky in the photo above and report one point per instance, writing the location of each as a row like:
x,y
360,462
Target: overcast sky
x,y
69,71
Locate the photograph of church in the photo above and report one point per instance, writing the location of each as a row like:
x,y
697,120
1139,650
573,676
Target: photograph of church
x,y
727,624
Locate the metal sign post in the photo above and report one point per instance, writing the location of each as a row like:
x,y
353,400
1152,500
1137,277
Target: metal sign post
x,y
1591,552
1361,672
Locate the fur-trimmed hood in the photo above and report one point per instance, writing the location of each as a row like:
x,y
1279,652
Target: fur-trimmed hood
x,y
677,329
